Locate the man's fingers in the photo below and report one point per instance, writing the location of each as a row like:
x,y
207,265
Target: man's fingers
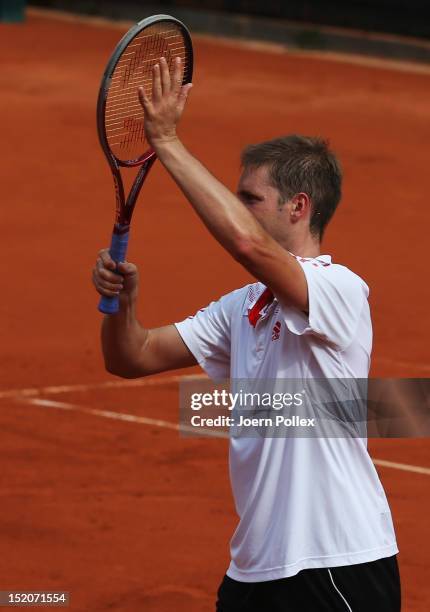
x,y
177,75
106,259
107,275
104,287
126,268
156,84
185,90
165,77
167,100
107,292
111,279
144,100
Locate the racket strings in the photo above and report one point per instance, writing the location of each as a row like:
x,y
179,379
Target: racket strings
x,y
124,115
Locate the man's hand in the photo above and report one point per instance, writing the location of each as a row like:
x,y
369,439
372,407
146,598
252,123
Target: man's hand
x,y
111,280
164,110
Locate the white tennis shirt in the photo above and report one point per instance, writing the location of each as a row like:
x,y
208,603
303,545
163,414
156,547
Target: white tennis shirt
x,y
302,502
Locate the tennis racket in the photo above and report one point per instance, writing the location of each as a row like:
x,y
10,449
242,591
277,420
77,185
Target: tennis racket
x,y
120,116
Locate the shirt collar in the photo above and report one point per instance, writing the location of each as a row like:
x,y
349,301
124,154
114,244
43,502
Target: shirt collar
x,y
252,296
323,259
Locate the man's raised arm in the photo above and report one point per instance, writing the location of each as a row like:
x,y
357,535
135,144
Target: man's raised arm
x,y
221,211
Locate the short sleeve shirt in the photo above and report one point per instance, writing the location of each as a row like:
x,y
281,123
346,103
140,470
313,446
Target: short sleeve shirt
x,y
302,502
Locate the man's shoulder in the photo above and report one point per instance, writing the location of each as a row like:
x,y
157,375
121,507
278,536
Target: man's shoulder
x,y
334,272
347,276
239,296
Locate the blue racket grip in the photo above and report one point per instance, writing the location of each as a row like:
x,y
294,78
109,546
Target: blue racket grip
x,y
118,250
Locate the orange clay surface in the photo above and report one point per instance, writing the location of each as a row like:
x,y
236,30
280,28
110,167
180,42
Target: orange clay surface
x,y
129,515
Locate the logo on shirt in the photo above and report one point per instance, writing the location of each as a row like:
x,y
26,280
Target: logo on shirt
x,y
276,331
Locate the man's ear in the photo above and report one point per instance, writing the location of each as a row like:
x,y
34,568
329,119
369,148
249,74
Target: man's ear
x,y
300,206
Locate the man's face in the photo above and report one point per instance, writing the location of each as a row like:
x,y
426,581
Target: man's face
x,y
264,202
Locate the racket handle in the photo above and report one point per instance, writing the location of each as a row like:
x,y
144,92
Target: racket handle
x,y
118,250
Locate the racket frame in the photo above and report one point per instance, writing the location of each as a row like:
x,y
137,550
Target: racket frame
x,y
125,208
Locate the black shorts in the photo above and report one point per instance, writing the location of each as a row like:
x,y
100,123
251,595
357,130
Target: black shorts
x,y
365,587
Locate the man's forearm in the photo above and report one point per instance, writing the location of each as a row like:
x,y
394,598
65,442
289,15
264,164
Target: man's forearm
x,y
234,226
123,340
226,217
223,214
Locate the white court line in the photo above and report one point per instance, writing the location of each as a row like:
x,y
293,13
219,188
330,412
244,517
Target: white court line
x,y
121,416
107,384
132,418
157,381
402,466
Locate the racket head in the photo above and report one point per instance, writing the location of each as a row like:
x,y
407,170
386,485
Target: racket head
x,y
120,116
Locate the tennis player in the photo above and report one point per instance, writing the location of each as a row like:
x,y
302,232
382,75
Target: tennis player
x,y
315,531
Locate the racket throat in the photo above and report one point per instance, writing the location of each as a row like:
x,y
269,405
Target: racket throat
x,y
119,229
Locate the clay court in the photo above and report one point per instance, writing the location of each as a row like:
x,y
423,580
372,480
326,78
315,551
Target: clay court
x,y
100,495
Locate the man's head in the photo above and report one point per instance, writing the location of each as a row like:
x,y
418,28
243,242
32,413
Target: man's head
x,y
291,184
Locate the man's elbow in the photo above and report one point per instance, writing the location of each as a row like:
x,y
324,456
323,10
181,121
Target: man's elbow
x,y
124,370
248,249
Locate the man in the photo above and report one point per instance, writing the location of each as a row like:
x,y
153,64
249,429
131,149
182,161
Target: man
x,y
315,531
